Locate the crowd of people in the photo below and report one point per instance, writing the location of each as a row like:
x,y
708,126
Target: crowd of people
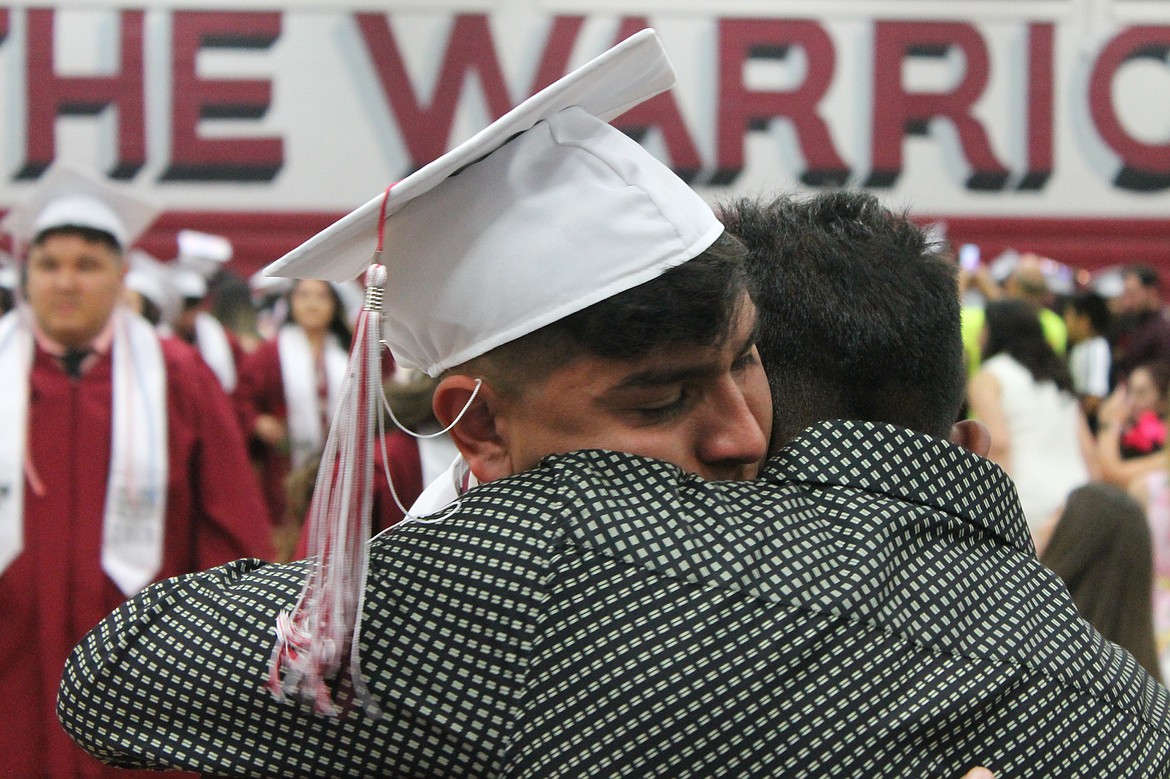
x,y
736,492
1073,388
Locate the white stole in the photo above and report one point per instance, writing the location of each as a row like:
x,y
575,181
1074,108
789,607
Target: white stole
x,y
16,349
216,350
298,374
136,490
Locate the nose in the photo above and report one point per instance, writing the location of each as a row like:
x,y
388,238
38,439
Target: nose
x,y
732,443
65,279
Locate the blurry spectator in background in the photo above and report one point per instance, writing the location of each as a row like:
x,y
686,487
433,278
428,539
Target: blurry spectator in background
x,y
269,299
201,258
1152,488
1131,426
1141,334
1024,394
120,460
1086,317
233,308
1100,548
1026,282
288,389
1145,429
150,291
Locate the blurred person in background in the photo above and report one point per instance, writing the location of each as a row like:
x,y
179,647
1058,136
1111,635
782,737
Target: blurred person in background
x,y
288,389
150,291
1145,429
1024,394
1151,486
233,307
120,460
1131,426
1141,332
201,258
1086,317
1100,547
1025,282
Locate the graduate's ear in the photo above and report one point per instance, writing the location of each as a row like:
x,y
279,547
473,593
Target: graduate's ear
x,y
972,436
477,435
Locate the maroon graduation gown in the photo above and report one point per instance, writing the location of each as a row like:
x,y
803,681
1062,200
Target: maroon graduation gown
x,y
55,590
261,391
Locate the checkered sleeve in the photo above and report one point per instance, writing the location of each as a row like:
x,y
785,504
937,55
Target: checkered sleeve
x,y
176,677
150,672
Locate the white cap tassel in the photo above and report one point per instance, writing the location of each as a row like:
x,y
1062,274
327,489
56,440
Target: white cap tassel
x,y
313,640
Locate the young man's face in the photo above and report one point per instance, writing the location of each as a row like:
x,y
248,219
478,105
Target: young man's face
x,y
73,287
707,410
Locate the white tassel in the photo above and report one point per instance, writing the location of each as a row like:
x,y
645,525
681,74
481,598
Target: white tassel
x,y
313,640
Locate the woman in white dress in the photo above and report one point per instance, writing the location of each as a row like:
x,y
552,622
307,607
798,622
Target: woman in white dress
x,y
1023,393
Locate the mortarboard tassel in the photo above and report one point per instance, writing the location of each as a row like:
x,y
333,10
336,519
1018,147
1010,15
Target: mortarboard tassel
x,y
316,652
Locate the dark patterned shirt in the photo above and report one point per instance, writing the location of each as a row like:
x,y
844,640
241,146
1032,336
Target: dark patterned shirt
x,y
871,606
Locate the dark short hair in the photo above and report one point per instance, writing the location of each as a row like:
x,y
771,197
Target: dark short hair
x,y
695,303
1090,304
90,234
859,312
1013,328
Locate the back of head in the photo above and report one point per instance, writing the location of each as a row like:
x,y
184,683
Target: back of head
x,y
1101,550
1013,328
1093,306
859,313
1027,281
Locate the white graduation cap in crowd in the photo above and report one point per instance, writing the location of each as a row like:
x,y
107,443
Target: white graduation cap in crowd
x,y
547,211
203,253
188,282
68,197
264,286
540,215
152,279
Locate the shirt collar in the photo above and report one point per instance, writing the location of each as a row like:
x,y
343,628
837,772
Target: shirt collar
x,y
908,466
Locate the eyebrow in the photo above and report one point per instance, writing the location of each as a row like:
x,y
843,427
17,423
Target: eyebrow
x,y
654,377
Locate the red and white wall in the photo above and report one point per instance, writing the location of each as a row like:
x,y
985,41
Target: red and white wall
x,y
1035,124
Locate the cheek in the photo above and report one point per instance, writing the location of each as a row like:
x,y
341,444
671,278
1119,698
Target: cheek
x,y
758,396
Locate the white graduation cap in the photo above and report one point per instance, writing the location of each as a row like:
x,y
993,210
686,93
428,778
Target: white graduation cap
x,y
152,279
545,212
188,282
68,197
203,252
263,286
